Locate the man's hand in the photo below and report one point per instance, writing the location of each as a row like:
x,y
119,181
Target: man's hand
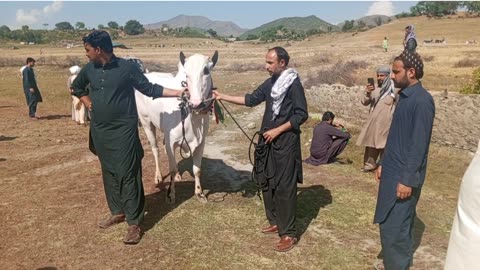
x,y
271,135
369,88
403,192
378,173
217,95
32,90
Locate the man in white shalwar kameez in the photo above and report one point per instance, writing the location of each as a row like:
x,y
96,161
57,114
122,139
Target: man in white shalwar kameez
x,y
464,246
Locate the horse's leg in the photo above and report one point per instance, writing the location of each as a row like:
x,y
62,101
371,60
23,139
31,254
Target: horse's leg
x,y
81,114
197,165
150,131
174,174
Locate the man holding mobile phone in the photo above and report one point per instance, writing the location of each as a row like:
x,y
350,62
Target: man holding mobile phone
x,y
381,102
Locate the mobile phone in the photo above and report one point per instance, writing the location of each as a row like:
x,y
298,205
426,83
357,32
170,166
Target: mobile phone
x,y
371,81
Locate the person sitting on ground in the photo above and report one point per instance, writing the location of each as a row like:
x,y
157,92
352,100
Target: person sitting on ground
x,y
327,141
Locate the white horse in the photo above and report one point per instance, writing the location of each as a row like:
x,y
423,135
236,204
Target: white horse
x,y
79,112
185,127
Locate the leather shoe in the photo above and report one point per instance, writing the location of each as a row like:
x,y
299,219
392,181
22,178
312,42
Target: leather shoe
x,y
111,220
286,243
133,236
270,229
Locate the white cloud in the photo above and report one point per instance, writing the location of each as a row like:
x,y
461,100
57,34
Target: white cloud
x,y
35,15
381,8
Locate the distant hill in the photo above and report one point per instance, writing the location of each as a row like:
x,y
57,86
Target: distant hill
x,y
297,24
370,21
223,28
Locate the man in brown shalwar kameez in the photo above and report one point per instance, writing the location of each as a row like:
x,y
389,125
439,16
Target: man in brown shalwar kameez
x,y
374,134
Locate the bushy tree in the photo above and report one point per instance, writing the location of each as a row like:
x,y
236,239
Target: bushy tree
x,y
101,26
212,32
348,25
472,6
133,27
64,26
80,25
4,31
435,8
112,24
361,24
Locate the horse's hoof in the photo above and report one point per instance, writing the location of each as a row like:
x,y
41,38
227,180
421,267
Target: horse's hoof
x,y
201,198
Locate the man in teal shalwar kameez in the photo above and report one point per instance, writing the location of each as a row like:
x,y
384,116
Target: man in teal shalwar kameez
x,y
114,137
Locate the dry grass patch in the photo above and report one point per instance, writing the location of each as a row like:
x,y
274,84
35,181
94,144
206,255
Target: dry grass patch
x,y
467,62
341,72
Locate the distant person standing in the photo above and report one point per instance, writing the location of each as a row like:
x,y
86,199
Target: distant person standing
x,y
404,164
381,100
410,41
30,88
385,44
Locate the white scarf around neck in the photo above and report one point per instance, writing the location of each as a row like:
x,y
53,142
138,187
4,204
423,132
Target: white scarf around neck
x,y
279,89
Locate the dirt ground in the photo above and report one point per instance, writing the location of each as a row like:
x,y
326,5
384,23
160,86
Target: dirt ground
x,y
51,193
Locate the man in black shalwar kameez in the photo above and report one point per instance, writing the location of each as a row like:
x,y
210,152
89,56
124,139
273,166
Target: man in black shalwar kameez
x,y
285,111
30,89
114,137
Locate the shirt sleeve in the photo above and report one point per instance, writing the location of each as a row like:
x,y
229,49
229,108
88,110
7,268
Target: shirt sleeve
x,y
299,105
257,97
417,151
79,85
332,131
366,100
141,83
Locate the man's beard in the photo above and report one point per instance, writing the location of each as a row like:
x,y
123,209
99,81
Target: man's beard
x,y
402,84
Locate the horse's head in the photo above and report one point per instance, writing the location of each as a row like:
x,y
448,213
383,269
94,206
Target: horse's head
x,y
198,76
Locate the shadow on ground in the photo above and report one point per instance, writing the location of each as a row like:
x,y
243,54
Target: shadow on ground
x,y
217,177
55,117
309,201
6,138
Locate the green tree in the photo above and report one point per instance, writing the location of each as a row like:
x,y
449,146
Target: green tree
x,y
80,25
112,24
348,25
25,28
133,27
64,26
101,26
212,32
5,31
251,37
361,24
472,7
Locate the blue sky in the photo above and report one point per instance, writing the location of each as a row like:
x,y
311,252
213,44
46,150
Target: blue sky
x,y
246,14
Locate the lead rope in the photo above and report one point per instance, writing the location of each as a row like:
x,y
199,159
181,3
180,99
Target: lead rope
x,y
261,153
184,113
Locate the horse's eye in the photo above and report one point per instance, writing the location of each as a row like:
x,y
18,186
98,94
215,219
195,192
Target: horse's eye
x,y
206,71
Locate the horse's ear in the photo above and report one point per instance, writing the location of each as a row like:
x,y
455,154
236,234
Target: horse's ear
x,y
215,58
182,58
